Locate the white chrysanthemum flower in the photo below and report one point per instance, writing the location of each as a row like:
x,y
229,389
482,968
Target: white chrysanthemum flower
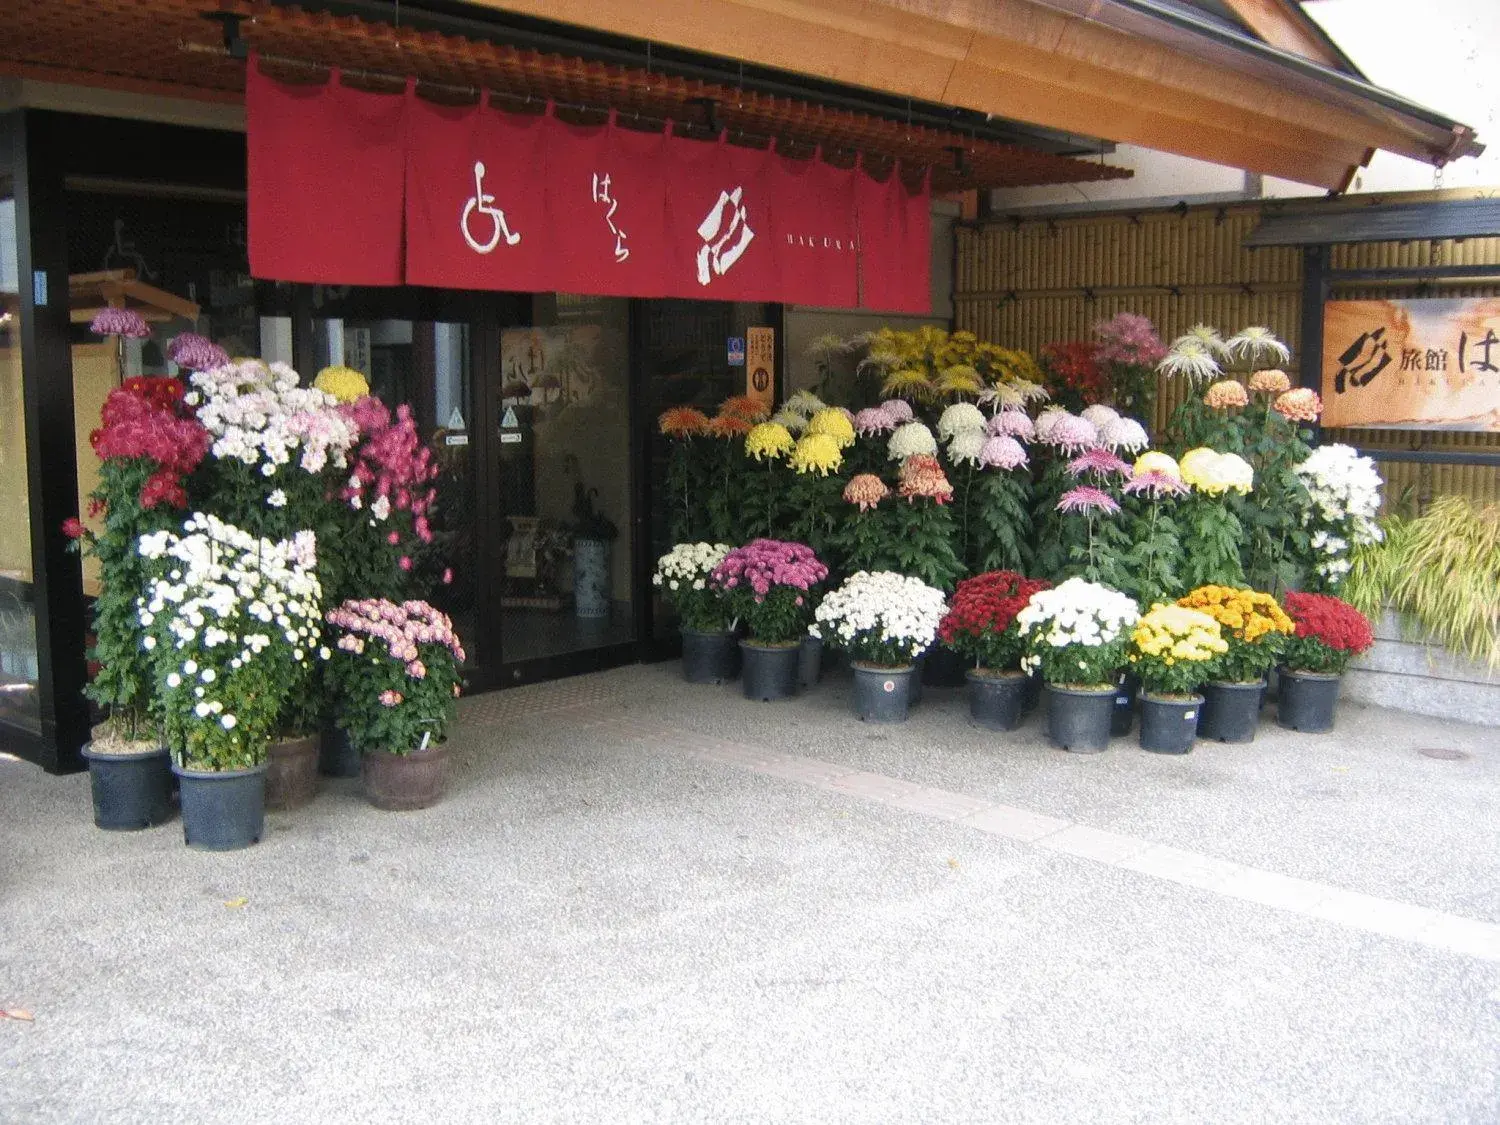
x,y
910,439
966,447
1192,359
1124,433
958,418
1099,414
1260,347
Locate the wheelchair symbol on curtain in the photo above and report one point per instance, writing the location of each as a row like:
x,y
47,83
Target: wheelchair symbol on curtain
x,y
485,205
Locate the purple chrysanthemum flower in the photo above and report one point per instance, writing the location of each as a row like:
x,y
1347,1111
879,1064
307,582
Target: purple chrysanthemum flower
x,y
1100,461
1155,483
1072,434
1002,452
873,420
1012,423
196,353
1087,499
119,322
897,409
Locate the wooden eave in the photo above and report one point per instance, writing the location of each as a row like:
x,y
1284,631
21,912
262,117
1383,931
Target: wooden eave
x,y
1062,64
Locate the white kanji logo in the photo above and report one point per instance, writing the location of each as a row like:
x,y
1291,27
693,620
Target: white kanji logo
x,y
601,195
485,205
720,251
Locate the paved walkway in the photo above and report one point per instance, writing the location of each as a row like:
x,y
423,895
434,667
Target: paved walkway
x,y
649,901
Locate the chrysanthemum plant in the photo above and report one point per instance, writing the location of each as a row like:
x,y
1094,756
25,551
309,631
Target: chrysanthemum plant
x,y
1255,629
1076,634
1344,494
1127,350
233,625
686,429
395,674
919,528
148,443
684,577
1212,534
1172,649
981,621
1330,633
882,619
769,584
1154,562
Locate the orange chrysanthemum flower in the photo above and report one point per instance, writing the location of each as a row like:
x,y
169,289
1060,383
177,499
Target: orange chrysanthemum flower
x,y
748,407
683,422
729,426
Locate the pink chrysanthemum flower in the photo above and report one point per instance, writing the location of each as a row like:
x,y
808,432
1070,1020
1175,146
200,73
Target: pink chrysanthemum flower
x,y
1100,461
1226,394
196,353
120,322
1002,452
1300,405
922,475
1072,434
872,421
1156,484
1272,381
1086,498
897,409
867,490
1012,423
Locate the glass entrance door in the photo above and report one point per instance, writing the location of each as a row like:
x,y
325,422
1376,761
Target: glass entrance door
x,y
562,452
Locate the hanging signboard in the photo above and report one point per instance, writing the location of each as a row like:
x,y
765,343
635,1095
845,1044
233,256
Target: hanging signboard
x,y
1412,364
760,364
471,197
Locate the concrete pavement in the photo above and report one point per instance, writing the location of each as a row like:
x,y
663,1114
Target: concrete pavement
x,y
646,901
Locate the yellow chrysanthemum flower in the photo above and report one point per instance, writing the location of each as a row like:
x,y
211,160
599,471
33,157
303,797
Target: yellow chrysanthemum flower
x,y
343,383
907,382
769,439
960,379
817,453
835,423
1156,462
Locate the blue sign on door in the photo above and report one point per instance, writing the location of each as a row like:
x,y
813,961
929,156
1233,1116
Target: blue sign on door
x,y
736,351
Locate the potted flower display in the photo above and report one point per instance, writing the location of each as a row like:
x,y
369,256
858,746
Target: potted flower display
x,y
883,621
395,672
981,626
1076,636
1330,633
147,443
768,584
1255,629
1170,648
234,628
683,574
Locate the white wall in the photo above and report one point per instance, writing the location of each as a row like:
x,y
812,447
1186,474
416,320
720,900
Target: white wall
x,y
1442,54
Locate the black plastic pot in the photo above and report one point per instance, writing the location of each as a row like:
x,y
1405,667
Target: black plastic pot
x,y
1033,697
1306,700
131,791
944,668
997,699
1230,712
810,662
709,658
769,671
1123,717
1169,726
337,756
222,811
1079,720
883,695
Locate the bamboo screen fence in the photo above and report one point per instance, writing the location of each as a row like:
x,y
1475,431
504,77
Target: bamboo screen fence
x,y
1029,282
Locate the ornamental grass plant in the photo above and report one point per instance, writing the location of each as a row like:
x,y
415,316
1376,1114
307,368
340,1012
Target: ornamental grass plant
x,y
981,621
1171,648
684,577
882,619
1076,634
1441,570
395,674
1330,633
1254,625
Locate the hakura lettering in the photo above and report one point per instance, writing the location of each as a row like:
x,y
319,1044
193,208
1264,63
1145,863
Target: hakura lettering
x,y
485,205
719,252
601,195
